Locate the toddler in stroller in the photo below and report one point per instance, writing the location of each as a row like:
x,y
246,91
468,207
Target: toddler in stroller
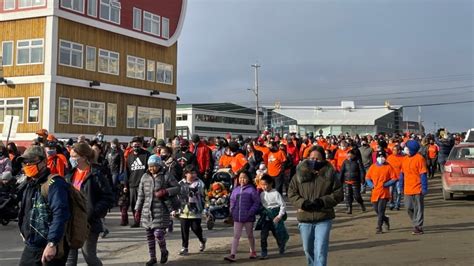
x,y
217,205
9,199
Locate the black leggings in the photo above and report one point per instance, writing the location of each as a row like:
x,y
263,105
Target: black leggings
x,y
195,225
432,165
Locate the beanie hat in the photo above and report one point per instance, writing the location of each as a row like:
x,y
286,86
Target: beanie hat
x,y
381,154
154,160
233,146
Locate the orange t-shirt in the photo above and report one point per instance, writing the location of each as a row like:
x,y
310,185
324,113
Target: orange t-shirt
x,y
57,164
79,177
379,174
265,151
340,157
306,151
237,162
433,151
323,143
225,161
412,168
390,146
332,147
275,162
373,145
396,162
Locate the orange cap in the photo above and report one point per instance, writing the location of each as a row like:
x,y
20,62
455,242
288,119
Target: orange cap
x,y
51,137
42,132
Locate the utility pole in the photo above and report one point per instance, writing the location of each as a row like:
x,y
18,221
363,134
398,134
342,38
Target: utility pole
x,y
419,119
255,90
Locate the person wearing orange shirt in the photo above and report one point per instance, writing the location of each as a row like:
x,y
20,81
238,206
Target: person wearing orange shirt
x,y
276,166
395,160
238,162
260,146
380,177
341,155
414,182
433,151
57,162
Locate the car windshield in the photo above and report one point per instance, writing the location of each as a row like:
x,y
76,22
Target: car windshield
x,y
462,153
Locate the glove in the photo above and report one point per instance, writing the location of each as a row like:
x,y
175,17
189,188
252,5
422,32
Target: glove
x,y
307,206
161,193
137,215
318,204
312,206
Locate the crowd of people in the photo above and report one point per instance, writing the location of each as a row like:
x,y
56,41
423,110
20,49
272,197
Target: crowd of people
x,y
157,181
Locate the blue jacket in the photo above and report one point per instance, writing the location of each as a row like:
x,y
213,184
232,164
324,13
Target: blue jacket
x,y
43,220
445,146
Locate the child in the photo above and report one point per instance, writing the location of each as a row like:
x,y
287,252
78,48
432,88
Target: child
x,y
153,206
244,204
380,177
262,169
272,217
8,183
352,174
192,205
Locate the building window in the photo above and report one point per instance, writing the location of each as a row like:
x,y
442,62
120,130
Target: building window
x,y
164,73
150,70
75,5
165,31
147,118
90,58
135,67
70,54
151,23
33,109
108,62
30,3
167,119
88,113
137,19
92,8
181,117
29,52
111,115
13,106
224,119
8,4
110,10
131,115
7,53
64,110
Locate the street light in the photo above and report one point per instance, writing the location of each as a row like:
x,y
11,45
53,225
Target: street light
x,y
255,90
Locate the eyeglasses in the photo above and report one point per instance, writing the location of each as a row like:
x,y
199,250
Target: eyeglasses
x,y
31,163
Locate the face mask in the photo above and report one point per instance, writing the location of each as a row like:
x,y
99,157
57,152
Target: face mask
x,y
73,162
406,151
184,148
316,165
136,149
51,152
380,160
31,170
100,137
164,157
342,147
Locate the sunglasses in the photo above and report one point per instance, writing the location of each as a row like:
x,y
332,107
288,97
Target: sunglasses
x,y
30,163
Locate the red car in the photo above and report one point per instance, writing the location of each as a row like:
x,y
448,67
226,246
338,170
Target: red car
x,y
458,176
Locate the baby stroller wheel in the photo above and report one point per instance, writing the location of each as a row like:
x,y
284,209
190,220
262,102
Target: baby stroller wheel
x,y
210,222
4,222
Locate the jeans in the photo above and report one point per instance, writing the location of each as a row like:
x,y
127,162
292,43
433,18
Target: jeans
x,y
315,238
396,199
89,251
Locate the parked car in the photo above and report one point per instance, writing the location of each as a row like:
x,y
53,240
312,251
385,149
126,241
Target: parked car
x,y
458,176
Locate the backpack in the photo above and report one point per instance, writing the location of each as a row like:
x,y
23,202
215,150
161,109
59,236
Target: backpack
x,y
77,227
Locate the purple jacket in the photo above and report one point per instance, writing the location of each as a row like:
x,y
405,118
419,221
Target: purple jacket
x,y
244,203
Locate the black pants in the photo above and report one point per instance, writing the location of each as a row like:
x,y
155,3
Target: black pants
x,y
32,256
351,192
195,225
267,227
133,200
278,182
379,208
432,166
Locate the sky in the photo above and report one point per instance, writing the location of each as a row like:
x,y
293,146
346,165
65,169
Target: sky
x,y
317,53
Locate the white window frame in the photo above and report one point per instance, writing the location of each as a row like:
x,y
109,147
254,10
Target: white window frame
x,y
31,5
163,35
28,110
89,108
95,58
68,111
111,4
108,63
9,1
70,55
108,113
134,116
96,9
29,53
153,18
72,6
135,61
12,54
160,65
137,19
152,71
5,106
148,110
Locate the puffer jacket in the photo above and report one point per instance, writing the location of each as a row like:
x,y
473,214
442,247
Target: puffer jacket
x,y
155,212
308,184
244,203
352,171
5,165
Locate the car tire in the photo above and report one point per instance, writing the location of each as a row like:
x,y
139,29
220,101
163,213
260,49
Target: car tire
x,y
447,195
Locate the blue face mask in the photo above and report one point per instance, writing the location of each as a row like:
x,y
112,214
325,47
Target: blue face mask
x,y
316,165
73,162
51,152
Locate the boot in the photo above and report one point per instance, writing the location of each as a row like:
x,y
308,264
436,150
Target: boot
x,y
123,217
362,206
349,210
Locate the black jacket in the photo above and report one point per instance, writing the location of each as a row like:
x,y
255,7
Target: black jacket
x,y
254,163
136,166
352,170
98,193
115,159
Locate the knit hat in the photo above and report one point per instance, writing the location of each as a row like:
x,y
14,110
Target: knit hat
x,y
413,146
154,160
381,154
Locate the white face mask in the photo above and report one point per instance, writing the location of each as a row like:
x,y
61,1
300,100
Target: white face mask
x,y
380,160
406,151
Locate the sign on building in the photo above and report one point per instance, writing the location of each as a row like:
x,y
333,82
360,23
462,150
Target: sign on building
x,y
10,125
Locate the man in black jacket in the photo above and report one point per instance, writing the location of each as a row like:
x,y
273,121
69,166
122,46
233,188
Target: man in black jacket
x,y
136,166
184,158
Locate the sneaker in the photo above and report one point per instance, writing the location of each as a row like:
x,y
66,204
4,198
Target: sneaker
x,y
253,255
164,257
417,231
202,245
183,252
264,255
135,225
123,223
151,262
105,233
379,230
397,208
230,258
349,210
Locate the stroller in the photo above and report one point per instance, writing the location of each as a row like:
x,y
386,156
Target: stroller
x,y
9,207
218,197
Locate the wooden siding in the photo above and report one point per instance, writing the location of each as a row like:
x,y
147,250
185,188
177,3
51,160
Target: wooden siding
x,y
24,91
90,36
22,30
122,100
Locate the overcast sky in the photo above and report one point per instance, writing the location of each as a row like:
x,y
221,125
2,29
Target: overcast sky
x,y
320,52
